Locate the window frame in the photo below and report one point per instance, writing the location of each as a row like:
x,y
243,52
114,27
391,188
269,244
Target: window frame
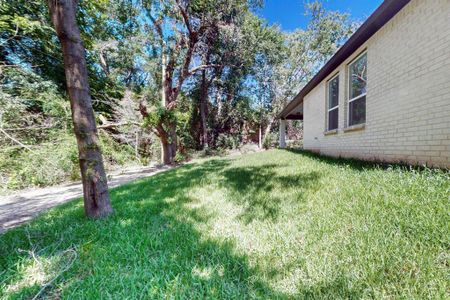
x,y
329,109
349,65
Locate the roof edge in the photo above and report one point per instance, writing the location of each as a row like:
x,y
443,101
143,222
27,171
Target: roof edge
x,y
383,14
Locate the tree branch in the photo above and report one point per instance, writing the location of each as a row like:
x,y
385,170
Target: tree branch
x,y
14,140
202,67
185,17
112,125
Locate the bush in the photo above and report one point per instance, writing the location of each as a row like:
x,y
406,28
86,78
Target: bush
x,y
180,157
46,164
52,163
225,141
115,153
249,148
269,141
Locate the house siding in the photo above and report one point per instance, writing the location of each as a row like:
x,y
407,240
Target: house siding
x,y
408,98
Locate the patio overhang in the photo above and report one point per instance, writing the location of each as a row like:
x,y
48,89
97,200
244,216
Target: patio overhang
x,y
296,113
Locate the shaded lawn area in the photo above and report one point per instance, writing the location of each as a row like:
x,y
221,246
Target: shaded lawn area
x,y
276,224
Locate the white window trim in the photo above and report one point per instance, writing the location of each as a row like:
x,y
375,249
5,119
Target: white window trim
x,y
328,103
357,97
349,90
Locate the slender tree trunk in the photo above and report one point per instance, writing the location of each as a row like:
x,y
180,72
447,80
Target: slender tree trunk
x,y
260,136
163,75
165,151
268,127
203,110
219,101
95,186
136,146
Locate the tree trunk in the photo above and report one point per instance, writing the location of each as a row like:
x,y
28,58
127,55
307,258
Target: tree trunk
x,y
203,110
136,146
260,137
268,127
172,142
166,151
95,186
164,136
165,148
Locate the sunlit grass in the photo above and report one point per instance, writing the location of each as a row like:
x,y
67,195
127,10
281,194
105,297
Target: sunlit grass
x,y
276,224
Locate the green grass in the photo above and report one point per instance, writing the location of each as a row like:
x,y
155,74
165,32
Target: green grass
x,y
276,224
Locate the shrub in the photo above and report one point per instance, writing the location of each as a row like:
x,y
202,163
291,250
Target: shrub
x,y
269,141
47,164
225,141
52,163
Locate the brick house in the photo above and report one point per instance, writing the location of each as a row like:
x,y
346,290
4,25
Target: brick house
x,y
385,95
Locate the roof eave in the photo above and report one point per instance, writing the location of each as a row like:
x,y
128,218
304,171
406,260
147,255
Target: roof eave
x,y
383,14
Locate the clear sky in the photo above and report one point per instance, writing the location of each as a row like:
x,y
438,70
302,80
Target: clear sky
x,y
290,14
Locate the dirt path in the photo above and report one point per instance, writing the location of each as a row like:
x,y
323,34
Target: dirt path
x,y
22,206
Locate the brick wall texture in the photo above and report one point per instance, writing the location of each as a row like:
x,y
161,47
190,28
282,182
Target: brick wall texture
x,y
408,97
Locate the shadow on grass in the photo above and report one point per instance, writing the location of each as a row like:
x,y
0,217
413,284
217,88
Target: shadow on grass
x,y
150,247
356,164
153,247
257,189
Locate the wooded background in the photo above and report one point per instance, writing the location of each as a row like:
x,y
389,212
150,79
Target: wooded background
x,y
200,75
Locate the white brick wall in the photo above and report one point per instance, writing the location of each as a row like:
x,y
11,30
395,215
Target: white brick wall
x,y
408,98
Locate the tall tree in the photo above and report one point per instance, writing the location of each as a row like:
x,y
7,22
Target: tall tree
x,y
305,52
95,187
183,30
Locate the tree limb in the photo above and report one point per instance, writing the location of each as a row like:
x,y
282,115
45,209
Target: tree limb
x,y
112,125
14,140
202,67
185,17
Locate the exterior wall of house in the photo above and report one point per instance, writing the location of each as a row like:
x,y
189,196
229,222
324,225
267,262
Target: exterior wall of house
x,y
408,97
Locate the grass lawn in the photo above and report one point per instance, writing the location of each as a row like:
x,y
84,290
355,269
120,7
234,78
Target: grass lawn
x,y
276,224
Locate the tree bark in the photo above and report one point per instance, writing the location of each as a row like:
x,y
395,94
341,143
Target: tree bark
x,y
260,140
166,150
95,186
268,127
172,142
203,109
163,135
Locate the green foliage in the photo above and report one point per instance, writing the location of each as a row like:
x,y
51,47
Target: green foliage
x,y
28,40
56,161
271,225
159,115
29,90
256,69
48,164
228,141
269,141
116,154
184,114
180,157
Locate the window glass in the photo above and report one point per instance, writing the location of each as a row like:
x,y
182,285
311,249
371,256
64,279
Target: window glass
x,y
333,92
357,111
358,77
333,119
333,103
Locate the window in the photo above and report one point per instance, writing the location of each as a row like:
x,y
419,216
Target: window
x,y
357,91
333,103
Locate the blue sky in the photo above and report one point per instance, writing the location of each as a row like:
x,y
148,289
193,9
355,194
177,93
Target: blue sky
x,y
290,14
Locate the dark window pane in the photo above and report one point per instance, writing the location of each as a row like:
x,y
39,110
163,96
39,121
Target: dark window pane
x,y
333,117
357,111
333,93
358,77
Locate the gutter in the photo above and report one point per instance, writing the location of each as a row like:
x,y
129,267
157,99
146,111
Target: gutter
x,y
383,14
